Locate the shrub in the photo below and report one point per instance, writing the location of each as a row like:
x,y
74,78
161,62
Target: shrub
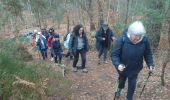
x,y
20,80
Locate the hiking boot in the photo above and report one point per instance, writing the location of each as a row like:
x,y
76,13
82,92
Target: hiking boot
x,y
74,69
84,70
52,59
98,61
118,93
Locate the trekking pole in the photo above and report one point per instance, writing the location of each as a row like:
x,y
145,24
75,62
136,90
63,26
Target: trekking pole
x,y
117,89
145,82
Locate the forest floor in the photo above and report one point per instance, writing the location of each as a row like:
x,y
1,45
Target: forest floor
x,y
100,82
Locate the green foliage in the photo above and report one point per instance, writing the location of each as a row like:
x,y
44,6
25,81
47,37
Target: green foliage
x,y
13,6
4,15
118,28
22,54
11,66
62,90
38,6
137,8
56,10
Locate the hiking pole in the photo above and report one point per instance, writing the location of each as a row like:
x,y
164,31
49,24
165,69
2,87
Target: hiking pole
x,y
145,82
117,89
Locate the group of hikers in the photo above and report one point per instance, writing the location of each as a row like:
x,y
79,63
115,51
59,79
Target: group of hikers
x,y
48,40
127,54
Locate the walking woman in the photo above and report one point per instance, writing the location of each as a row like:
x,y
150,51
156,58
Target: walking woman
x,y
78,44
128,54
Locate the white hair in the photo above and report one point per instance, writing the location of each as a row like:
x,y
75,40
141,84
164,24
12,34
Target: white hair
x,y
136,28
35,31
39,33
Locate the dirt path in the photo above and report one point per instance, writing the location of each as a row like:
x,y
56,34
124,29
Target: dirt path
x,y
99,82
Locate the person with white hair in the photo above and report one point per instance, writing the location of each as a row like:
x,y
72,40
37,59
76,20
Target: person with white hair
x,y
128,54
38,36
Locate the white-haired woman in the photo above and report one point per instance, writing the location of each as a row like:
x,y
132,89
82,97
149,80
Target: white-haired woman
x,y
127,56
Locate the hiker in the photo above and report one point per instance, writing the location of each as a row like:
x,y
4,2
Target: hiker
x,y
34,34
78,44
51,32
56,46
28,34
128,54
104,37
42,45
37,35
66,45
45,33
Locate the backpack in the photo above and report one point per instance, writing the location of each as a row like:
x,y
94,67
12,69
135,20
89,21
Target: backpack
x,y
65,37
123,40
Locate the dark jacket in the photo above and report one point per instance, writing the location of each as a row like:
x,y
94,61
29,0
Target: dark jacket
x,y
46,34
40,45
99,36
73,43
131,55
56,46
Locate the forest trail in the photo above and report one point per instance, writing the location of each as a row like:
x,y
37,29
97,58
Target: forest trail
x,y
100,81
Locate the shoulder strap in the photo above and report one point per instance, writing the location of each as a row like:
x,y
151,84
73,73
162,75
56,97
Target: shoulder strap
x,y
65,37
123,40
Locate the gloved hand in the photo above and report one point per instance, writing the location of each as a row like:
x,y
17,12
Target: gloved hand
x,y
151,68
121,67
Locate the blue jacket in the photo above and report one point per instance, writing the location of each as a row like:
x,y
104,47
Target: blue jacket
x,y
40,45
56,46
131,55
73,43
99,37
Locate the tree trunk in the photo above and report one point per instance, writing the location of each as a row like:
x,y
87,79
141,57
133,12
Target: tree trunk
x,y
90,14
58,25
16,31
167,59
127,12
12,23
68,24
100,9
92,25
67,16
108,12
39,20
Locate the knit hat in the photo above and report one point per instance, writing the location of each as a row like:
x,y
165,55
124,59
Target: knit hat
x,y
105,24
56,36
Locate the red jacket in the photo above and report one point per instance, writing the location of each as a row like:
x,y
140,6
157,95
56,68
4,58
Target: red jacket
x,y
50,41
